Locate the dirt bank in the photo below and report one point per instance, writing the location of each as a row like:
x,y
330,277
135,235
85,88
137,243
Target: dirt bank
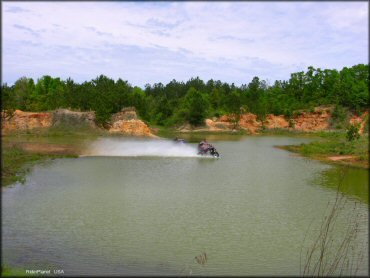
x,y
20,120
45,148
361,120
73,118
125,122
341,157
317,120
305,121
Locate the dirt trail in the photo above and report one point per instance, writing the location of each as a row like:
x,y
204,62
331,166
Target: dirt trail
x,y
341,157
46,148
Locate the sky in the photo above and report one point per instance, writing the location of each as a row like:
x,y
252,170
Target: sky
x,y
152,42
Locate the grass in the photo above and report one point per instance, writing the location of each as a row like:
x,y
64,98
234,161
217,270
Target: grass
x,y
17,162
58,131
26,271
335,144
13,272
288,132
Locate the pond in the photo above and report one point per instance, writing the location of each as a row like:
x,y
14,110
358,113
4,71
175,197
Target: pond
x,y
149,207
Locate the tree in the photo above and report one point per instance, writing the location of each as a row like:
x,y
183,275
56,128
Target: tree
x,y
136,98
177,102
7,98
103,99
23,89
196,105
234,107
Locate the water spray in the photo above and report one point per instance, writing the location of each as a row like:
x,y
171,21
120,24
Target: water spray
x,y
140,147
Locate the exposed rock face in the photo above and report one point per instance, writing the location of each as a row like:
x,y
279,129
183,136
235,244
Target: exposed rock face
x,y
225,118
127,122
217,125
73,118
360,120
33,120
273,121
248,121
306,121
131,127
25,120
313,121
126,114
185,128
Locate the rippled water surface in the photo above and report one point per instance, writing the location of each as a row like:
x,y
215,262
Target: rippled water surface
x,y
149,207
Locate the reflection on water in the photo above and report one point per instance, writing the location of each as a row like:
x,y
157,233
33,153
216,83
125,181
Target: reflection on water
x,y
349,180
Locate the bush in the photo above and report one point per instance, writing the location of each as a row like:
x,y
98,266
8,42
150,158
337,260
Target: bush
x,y
366,126
339,116
352,132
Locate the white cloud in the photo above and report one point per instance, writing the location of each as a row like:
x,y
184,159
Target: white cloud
x,y
89,38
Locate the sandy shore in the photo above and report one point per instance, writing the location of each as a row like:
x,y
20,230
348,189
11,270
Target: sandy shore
x,y
46,148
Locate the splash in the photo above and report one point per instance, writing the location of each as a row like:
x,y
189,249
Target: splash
x,y
138,147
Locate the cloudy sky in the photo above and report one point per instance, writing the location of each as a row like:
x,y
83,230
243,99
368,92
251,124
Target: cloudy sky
x,y
149,42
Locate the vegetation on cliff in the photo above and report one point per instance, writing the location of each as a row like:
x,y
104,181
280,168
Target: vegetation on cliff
x,y
194,100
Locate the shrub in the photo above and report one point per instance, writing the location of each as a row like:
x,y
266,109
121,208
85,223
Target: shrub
x,y
339,116
352,132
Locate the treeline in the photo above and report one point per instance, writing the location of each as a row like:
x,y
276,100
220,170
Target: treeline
x,y
194,100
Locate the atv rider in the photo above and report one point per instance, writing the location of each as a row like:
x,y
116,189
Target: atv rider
x,y
203,146
178,140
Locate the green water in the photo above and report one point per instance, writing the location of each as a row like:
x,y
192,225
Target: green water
x,y
151,215
351,181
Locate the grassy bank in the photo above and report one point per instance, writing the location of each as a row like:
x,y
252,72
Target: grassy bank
x,y
14,272
333,147
16,162
23,149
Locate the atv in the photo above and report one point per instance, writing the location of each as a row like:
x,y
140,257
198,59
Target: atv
x,y
207,149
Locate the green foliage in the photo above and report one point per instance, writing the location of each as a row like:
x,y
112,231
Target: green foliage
x,y
335,143
14,272
366,124
23,88
192,101
195,105
339,116
327,148
352,132
16,162
339,113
